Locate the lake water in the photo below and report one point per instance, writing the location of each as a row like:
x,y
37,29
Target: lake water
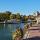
x,y
6,29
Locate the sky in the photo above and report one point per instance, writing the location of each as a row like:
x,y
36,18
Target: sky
x,y
24,7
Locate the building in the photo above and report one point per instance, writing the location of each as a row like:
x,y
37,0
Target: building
x,y
38,18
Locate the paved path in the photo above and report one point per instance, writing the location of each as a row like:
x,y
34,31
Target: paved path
x,y
33,33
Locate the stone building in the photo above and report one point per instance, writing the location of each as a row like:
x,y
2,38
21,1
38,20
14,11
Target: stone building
x,y
38,18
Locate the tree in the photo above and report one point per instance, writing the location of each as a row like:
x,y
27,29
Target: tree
x,y
7,15
12,16
8,12
18,16
25,18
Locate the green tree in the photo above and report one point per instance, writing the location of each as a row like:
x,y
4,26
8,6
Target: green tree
x,y
25,18
18,16
12,16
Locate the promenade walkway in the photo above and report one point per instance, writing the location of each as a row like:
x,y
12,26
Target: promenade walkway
x,y
33,33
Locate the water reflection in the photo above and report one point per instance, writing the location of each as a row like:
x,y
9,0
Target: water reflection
x,y
6,29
